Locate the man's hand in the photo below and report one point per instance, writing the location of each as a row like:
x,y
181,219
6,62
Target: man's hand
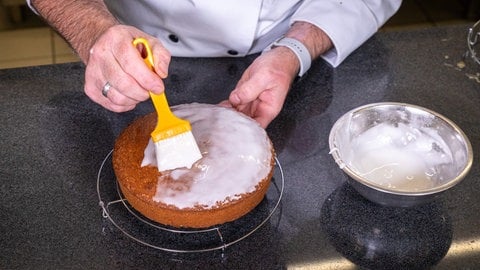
x,y
105,46
115,60
263,87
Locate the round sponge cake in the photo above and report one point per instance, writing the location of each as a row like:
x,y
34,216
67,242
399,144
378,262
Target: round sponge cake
x,y
229,180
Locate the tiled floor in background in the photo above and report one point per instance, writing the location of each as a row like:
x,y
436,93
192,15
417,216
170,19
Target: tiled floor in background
x,y
33,46
26,40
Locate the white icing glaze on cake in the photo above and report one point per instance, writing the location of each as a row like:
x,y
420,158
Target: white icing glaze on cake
x,y
236,153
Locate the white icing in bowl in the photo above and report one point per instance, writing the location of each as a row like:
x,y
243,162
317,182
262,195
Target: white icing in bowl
x,y
237,155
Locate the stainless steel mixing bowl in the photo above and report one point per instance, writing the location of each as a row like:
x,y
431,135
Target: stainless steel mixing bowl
x,y
416,136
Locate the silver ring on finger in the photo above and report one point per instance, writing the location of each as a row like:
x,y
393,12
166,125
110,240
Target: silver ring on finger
x,y
105,89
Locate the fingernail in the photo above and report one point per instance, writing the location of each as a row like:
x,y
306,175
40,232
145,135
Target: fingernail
x,y
157,89
234,99
162,70
162,75
225,103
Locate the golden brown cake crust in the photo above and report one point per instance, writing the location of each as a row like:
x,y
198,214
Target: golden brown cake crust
x,y
138,184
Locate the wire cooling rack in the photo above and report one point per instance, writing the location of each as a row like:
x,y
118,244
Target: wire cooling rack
x,y
117,210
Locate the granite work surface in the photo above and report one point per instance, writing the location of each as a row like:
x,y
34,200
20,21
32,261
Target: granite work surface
x,y
54,140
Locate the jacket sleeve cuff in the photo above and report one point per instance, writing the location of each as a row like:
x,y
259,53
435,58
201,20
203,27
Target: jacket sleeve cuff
x,y
348,24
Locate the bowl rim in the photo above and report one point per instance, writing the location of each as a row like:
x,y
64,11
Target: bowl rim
x,y
364,181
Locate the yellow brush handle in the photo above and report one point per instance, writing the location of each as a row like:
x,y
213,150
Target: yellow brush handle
x,y
168,125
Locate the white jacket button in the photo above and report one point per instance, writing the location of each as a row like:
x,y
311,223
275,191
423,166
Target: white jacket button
x,y
232,52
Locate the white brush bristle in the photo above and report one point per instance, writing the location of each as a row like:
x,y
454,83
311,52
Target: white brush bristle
x,y
177,152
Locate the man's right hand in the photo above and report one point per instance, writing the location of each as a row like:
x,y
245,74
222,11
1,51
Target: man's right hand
x,y
114,60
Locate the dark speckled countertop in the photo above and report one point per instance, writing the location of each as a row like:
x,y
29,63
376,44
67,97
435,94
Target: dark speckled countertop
x,y
54,140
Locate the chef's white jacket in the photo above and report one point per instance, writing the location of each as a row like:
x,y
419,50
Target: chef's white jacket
x,y
214,28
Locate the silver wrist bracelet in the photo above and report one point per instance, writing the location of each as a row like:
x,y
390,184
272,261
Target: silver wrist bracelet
x,y
300,51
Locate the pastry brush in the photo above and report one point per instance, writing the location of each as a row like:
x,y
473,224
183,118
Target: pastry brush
x,y
175,145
